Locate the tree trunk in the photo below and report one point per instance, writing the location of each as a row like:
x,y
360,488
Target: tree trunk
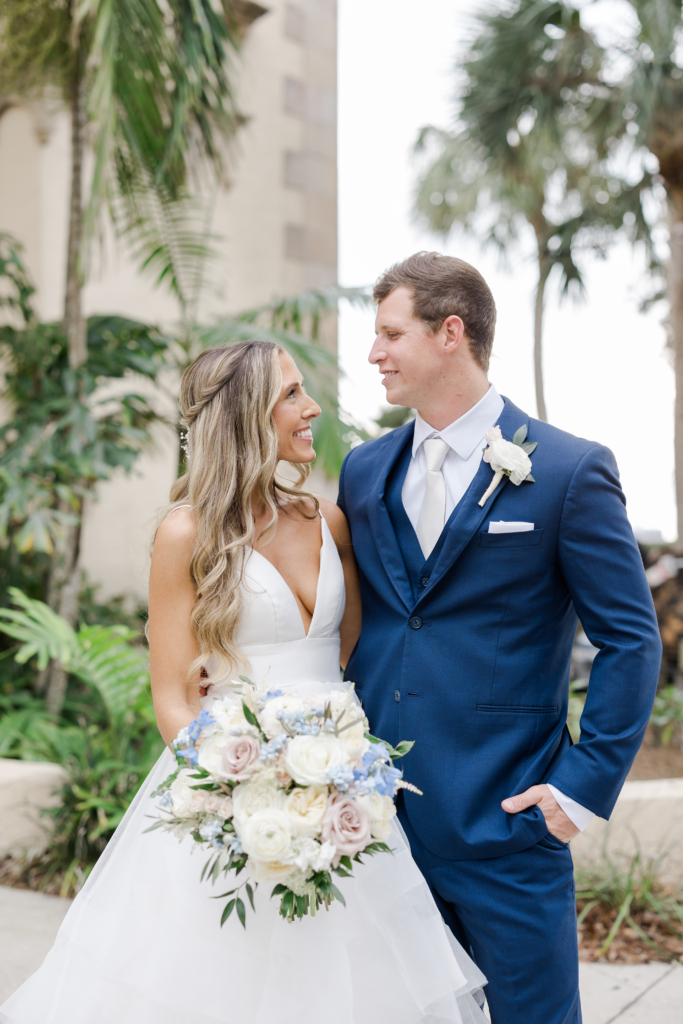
x,y
675,295
543,272
74,323
62,596
64,581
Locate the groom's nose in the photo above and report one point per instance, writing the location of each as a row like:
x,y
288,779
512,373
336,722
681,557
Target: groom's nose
x,y
377,352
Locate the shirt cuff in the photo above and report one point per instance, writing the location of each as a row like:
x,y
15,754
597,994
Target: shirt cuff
x,y
579,815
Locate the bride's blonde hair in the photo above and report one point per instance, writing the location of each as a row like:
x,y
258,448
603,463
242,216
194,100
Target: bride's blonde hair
x,y
227,397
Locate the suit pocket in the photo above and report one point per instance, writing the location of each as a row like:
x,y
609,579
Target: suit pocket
x,y
519,709
510,540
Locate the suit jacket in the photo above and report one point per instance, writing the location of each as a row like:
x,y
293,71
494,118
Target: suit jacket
x,y
472,661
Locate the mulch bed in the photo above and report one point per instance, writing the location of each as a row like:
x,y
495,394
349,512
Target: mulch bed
x,y
628,947
657,762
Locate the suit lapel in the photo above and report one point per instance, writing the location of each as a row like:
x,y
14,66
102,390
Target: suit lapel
x,y
467,516
380,520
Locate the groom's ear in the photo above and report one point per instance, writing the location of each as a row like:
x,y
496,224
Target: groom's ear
x,y
453,332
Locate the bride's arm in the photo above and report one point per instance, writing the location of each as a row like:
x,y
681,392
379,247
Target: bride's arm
x,y
349,629
172,644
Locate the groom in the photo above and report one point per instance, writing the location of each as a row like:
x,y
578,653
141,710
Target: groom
x,y
469,615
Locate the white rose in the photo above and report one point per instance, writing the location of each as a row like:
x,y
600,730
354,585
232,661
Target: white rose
x,y
306,808
505,456
353,740
381,809
309,758
257,795
230,716
267,836
182,794
270,723
209,753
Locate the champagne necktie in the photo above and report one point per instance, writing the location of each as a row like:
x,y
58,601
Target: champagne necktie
x,y
432,516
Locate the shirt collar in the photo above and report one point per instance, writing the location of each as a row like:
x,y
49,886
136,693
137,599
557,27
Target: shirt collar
x,y
465,433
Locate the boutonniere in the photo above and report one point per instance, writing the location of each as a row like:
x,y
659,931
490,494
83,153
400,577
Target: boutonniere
x,y
507,458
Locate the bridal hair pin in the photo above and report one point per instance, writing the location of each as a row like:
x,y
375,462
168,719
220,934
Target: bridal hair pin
x,y
186,444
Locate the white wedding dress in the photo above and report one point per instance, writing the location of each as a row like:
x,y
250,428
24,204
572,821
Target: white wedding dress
x,y
142,942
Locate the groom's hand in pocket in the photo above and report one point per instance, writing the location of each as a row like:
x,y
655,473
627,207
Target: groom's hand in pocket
x,y
561,826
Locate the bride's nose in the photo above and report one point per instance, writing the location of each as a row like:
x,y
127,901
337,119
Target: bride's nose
x,y
311,411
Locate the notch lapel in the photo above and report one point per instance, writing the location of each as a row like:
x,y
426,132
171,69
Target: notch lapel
x,y
467,517
382,528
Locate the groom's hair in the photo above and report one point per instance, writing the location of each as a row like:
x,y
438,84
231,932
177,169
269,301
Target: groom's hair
x,y
445,286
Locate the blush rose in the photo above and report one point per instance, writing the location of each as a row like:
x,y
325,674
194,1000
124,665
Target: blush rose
x,y
346,825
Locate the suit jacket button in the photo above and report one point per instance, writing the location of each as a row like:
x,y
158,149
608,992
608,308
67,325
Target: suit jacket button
x,y
397,695
416,622
424,581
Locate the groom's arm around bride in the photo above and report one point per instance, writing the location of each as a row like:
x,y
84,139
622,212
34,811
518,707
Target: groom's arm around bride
x,y
469,615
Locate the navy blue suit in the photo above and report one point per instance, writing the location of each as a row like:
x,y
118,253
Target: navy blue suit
x,y
468,654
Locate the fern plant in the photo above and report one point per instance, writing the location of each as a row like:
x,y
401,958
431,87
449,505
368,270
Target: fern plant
x,y
102,657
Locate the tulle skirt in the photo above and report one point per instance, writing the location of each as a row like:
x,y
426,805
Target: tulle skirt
x,y
142,944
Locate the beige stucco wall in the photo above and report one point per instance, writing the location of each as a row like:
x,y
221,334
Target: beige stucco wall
x,y
275,215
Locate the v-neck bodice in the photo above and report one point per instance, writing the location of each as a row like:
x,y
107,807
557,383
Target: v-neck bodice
x,y
270,613
271,632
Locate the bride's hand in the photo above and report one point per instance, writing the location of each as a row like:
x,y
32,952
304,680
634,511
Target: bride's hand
x,y
561,826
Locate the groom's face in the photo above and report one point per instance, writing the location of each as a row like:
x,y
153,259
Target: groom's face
x,y
407,354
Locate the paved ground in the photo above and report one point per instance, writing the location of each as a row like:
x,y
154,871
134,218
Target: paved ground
x,y
629,994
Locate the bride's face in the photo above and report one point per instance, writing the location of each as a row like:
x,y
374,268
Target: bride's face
x,y
293,414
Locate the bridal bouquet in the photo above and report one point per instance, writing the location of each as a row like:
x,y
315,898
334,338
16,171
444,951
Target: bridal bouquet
x,y
291,788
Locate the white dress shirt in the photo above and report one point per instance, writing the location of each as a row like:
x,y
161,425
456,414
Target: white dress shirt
x,y
466,443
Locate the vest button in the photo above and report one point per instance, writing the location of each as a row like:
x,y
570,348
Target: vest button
x,y
397,695
424,581
416,622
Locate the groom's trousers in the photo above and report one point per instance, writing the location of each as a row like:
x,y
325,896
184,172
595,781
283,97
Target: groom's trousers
x,y
516,917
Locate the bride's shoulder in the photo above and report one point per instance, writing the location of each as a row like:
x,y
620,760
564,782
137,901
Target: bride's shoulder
x,y
176,530
335,519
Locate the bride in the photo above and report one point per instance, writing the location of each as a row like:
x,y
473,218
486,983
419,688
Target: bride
x,y
248,575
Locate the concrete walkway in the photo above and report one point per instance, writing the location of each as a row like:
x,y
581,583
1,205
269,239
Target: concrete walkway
x,y
629,994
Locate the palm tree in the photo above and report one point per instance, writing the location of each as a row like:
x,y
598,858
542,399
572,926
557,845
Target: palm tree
x,y
645,110
149,82
525,152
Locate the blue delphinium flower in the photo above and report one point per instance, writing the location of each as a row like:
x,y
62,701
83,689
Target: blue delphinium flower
x,y
212,831
235,845
269,751
184,743
271,694
377,772
341,776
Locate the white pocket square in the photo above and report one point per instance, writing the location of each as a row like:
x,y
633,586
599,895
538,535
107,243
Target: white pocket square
x,y
502,527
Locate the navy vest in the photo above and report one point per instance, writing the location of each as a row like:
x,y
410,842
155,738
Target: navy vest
x,y
418,569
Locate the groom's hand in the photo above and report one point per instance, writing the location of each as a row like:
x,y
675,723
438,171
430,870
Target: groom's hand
x,y
557,821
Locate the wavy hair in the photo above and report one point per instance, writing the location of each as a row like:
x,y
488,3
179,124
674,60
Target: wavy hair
x,y
227,397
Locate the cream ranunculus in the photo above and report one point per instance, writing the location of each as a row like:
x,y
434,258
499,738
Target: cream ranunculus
x,y
381,809
306,808
259,871
309,758
182,793
267,836
353,740
505,457
259,794
270,723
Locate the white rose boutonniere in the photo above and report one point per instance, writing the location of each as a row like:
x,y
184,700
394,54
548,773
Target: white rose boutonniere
x,y
507,458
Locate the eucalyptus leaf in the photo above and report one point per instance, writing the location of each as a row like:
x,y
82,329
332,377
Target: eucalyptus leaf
x,y
520,435
529,479
250,894
529,446
229,907
241,912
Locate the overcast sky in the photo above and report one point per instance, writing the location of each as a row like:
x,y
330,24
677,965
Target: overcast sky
x,y
608,376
